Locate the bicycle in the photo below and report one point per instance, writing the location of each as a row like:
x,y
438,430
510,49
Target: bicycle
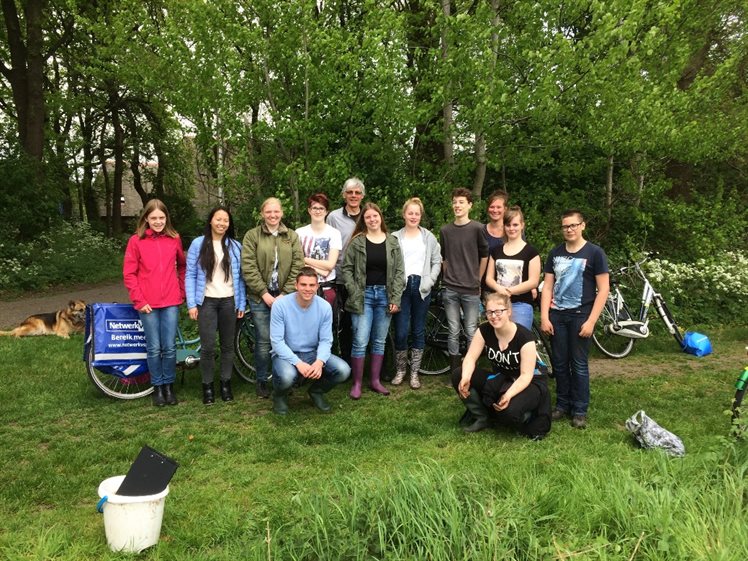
x,y
122,386
618,328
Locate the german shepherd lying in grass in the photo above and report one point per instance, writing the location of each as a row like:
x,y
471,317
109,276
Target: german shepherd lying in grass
x,y
61,323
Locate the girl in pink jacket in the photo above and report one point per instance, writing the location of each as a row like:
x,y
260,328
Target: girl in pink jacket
x,y
154,270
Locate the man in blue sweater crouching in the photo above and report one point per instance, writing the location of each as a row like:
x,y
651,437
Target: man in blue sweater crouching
x,y
301,339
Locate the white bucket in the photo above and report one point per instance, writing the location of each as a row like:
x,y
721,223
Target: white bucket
x,y
131,523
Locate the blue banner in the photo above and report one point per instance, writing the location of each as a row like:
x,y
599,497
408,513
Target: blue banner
x,y
115,341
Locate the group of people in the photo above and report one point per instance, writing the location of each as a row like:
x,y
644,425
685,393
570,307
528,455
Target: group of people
x,y
292,280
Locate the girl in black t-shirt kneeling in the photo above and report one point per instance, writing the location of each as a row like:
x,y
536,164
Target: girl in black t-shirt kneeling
x,y
514,393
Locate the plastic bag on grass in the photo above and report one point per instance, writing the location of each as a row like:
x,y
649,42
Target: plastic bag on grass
x,y
696,344
651,435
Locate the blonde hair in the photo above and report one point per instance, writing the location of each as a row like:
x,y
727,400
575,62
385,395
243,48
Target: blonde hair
x,y
414,201
498,298
150,206
269,200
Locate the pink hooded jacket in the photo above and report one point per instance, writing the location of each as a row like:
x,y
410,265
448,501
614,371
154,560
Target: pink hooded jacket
x,y
154,270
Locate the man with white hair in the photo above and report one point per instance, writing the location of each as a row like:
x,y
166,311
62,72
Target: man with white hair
x,y
344,219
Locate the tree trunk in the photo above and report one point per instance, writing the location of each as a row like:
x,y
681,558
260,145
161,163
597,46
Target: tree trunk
x,y
480,165
609,188
481,160
119,168
26,73
447,143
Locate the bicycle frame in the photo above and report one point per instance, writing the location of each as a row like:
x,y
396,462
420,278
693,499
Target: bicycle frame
x,y
639,328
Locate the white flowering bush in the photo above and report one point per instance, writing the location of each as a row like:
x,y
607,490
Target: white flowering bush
x,y
712,290
68,253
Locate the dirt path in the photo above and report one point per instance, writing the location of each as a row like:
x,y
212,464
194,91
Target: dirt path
x,y
15,311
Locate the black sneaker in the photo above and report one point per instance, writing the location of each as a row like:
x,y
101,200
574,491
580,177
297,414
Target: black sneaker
x,y
262,389
559,414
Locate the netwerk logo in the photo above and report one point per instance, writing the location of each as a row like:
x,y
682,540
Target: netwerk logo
x,y
116,325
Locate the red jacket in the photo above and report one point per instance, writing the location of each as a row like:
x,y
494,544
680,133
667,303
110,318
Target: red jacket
x,y
154,270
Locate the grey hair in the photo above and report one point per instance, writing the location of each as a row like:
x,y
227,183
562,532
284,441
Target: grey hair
x,y
352,183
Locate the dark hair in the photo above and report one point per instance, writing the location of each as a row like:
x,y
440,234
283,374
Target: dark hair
x,y
150,206
319,198
207,256
462,192
498,194
572,212
361,224
306,271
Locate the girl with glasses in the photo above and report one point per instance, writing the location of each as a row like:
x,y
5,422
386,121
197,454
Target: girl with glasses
x,y
321,244
512,393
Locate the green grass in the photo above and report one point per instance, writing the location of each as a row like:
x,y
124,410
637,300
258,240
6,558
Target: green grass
x,y
382,478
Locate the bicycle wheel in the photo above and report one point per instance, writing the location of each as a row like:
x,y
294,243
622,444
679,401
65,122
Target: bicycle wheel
x,y
610,344
678,335
116,387
543,350
244,348
435,356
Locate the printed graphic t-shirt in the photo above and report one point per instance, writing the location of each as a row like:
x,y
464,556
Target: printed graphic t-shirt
x,y
574,285
318,246
512,270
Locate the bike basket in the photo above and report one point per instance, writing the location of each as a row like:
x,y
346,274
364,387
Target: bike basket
x,y
696,344
115,342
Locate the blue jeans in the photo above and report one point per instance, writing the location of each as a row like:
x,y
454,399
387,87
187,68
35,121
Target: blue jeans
x,y
335,371
372,326
569,353
411,319
522,314
470,306
261,318
160,328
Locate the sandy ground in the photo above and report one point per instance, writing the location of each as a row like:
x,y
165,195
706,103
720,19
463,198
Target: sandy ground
x,y
15,311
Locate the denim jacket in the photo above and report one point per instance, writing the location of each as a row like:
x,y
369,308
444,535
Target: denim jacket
x,y
195,279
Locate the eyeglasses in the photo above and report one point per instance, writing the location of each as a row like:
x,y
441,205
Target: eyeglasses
x,y
572,227
318,209
355,193
497,313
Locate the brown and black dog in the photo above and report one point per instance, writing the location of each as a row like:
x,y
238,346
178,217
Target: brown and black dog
x,y
61,323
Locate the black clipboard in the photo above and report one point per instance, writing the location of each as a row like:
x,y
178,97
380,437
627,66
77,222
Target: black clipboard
x,y
149,474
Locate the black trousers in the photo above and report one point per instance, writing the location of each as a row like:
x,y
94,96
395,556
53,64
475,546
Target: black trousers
x,y
216,314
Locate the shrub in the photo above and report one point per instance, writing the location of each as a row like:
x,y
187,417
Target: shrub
x,y
68,253
710,290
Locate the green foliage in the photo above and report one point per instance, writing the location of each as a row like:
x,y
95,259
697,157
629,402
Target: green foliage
x,y
28,200
68,253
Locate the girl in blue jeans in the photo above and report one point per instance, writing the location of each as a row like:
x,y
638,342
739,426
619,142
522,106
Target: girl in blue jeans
x,y
153,272
374,278
514,268
423,263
